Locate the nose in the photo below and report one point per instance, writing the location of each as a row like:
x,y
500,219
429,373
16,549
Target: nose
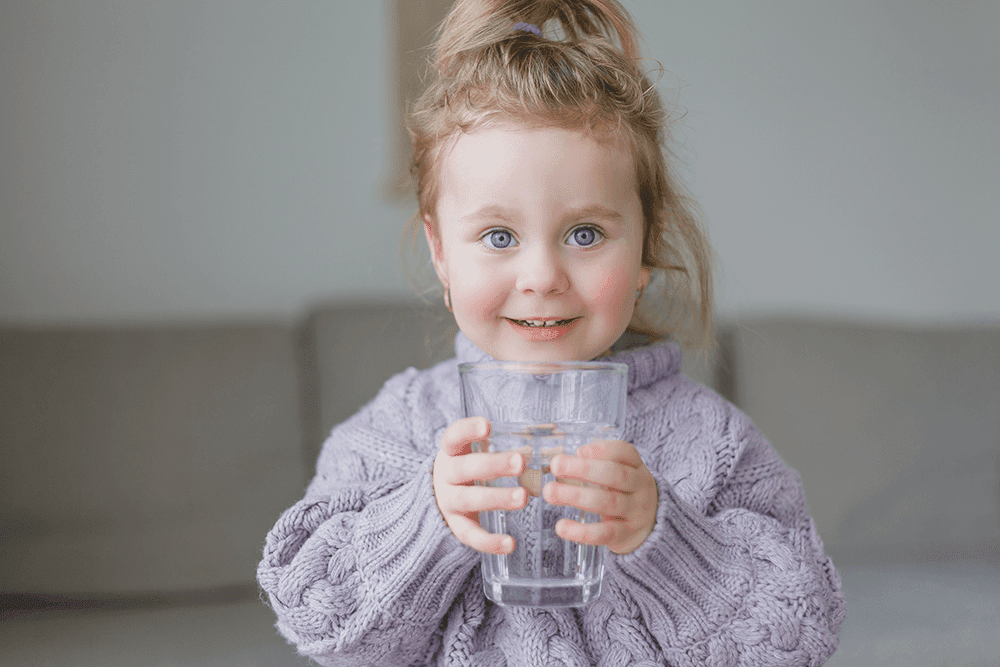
x,y
540,270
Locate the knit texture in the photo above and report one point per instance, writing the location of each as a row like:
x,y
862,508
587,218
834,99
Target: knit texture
x,y
364,571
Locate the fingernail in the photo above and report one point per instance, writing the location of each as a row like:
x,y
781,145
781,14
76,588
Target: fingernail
x,y
515,462
507,544
516,496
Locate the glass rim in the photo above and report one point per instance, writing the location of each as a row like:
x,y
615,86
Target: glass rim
x,y
543,367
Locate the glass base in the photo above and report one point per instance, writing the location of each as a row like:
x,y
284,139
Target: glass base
x,y
542,593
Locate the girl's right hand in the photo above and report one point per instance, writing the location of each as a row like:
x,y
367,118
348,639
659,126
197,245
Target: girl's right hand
x,y
456,469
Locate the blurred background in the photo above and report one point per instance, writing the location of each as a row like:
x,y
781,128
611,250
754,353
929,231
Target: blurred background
x,y
206,160
208,192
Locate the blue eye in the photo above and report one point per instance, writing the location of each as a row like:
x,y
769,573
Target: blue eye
x,y
498,239
585,236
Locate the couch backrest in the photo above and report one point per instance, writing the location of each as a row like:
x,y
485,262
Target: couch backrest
x,y
144,459
895,430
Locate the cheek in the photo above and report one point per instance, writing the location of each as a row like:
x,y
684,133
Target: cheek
x,y
478,293
487,301
613,294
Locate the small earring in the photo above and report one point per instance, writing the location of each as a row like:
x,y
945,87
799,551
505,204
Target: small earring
x,y
447,299
638,296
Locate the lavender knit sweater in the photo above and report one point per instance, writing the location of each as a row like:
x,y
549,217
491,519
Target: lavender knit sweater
x,y
363,570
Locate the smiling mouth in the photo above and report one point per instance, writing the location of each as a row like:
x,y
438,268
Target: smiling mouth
x,y
542,324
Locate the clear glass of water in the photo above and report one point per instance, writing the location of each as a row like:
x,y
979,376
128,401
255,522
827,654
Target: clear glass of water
x,y
542,409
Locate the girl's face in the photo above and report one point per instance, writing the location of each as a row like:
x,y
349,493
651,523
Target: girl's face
x,y
538,224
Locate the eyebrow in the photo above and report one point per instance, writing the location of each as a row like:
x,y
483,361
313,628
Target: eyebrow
x,y
497,212
491,212
595,211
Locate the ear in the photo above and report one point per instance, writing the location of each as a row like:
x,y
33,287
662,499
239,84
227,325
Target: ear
x,y
436,251
644,274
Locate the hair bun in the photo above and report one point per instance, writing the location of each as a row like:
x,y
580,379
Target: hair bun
x,y
474,24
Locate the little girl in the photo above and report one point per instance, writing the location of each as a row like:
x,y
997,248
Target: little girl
x,y
549,209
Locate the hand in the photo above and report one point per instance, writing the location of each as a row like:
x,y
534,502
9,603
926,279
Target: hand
x,y
460,501
622,491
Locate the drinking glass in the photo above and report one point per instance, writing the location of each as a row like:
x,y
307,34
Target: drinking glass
x,y
542,409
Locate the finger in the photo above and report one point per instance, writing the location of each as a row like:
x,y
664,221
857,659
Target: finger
x,y
611,450
603,533
609,474
470,499
458,438
471,534
469,468
588,498
615,535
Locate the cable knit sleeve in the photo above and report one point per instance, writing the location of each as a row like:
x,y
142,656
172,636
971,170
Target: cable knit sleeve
x,y
734,572
363,570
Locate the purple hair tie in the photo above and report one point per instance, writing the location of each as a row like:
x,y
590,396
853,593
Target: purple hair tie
x,y
528,27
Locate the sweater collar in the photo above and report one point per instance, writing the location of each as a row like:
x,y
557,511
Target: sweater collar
x,y
647,363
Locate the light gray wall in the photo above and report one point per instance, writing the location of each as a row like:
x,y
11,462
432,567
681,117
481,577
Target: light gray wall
x,y
228,158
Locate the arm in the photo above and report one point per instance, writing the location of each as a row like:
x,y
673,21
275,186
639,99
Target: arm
x,y
733,572
364,569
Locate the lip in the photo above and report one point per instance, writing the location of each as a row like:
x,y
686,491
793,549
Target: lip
x,y
540,334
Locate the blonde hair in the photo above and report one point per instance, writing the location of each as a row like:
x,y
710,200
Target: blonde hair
x,y
582,73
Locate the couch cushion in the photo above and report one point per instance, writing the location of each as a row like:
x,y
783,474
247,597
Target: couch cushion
x,y
144,459
895,431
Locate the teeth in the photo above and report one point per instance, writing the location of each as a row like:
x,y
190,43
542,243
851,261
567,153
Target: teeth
x,y
541,323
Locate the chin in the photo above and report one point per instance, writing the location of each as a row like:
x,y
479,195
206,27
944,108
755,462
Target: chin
x,y
545,352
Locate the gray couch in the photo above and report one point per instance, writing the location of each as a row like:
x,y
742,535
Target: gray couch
x,y
142,466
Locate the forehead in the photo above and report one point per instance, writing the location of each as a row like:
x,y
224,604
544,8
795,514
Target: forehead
x,y
513,131
523,158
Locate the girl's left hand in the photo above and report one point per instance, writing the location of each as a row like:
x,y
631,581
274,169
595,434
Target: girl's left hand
x,y
620,489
